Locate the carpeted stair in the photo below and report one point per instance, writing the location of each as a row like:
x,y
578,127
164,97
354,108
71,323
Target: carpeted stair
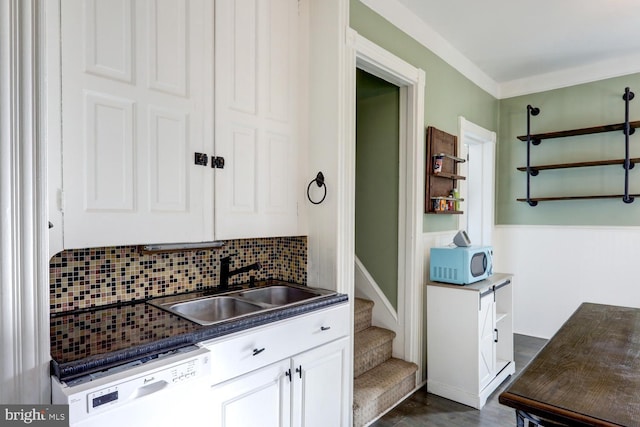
x,y
381,381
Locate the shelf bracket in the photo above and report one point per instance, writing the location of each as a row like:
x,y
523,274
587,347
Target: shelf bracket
x,y
627,97
531,111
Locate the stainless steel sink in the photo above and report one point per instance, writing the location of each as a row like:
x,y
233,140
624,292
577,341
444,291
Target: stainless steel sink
x,y
278,295
213,309
210,309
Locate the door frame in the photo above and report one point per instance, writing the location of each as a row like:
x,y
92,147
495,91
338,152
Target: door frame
x,y
472,134
411,80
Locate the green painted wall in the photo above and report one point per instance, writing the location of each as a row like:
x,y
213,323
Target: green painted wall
x,y
448,94
585,105
377,180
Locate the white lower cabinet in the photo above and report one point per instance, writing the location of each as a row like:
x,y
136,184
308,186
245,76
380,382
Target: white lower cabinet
x,y
469,339
306,390
290,373
259,398
320,386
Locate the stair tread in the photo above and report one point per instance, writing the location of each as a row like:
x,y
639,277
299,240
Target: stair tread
x,y
370,338
362,304
375,382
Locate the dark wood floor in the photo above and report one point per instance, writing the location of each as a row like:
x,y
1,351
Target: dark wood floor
x,y
425,409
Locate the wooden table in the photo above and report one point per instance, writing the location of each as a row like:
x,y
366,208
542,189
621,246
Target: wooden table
x,y
588,374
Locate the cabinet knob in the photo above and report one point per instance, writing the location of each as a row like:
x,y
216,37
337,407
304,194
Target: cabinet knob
x,y
257,351
325,328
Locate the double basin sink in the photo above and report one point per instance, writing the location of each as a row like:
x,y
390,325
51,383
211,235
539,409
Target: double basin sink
x,y
207,310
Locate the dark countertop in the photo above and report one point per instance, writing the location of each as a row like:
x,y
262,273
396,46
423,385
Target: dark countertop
x,y
94,340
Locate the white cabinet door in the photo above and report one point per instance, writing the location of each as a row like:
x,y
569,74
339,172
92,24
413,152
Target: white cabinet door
x,y
256,120
260,398
320,386
136,104
486,329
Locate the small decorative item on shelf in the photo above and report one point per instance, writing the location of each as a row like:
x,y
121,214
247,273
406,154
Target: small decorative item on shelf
x,y
456,196
437,164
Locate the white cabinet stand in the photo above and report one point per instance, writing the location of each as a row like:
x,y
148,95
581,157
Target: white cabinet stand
x,y
469,338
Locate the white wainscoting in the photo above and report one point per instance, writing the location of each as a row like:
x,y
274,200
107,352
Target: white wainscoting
x,y
432,240
557,268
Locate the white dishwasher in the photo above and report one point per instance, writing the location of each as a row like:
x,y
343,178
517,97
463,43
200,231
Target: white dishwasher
x,y
169,391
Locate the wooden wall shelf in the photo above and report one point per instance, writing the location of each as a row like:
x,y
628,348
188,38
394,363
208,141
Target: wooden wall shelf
x,y
578,132
451,176
633,161
551,199
440,185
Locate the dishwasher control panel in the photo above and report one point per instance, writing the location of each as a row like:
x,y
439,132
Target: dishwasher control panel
x,y
136,383
148,383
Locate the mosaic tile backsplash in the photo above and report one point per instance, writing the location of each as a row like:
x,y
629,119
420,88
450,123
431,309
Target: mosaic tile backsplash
x,y
84,278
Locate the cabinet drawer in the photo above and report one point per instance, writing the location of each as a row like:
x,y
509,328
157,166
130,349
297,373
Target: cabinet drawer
x,y
245,351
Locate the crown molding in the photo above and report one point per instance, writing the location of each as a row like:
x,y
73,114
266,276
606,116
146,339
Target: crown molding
x,y
616,67
407,21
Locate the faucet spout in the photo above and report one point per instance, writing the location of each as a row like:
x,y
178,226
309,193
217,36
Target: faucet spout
x,y
225,273
254,266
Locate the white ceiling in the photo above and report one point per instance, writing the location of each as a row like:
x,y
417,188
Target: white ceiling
x,y
519,41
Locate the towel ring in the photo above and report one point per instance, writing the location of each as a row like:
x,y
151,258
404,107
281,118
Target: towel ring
x,y
319,180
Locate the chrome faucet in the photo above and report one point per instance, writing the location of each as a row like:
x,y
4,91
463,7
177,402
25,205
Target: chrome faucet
x,y
225,274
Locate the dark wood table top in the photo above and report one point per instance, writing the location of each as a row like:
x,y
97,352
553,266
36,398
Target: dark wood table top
x,y
588,374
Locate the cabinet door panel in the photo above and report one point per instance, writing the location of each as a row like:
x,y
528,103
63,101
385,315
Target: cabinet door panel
x,y
487,362
136,105
168,42
242,167
260,398
168,143
256,124
109,42
109,157
320,389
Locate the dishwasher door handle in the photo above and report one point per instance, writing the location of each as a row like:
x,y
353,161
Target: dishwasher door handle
x,y
148,389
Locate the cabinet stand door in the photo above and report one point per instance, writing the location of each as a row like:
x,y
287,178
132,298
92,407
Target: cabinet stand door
x,y
487,361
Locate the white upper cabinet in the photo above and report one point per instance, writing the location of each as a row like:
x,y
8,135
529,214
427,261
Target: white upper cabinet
x,y
256,117
139,86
